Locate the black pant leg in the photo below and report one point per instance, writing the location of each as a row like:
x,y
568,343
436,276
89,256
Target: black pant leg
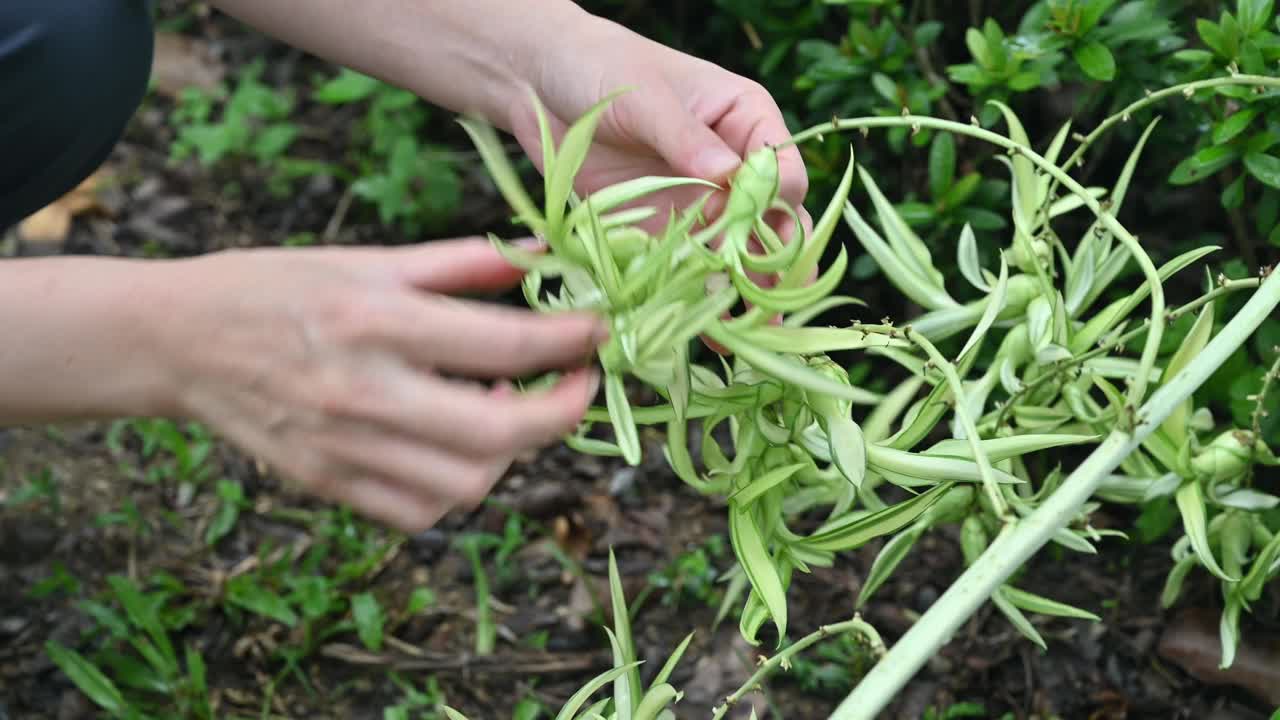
x,y
72,74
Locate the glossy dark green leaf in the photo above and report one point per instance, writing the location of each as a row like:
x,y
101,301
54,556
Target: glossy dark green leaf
x,y
1235,124
1203,164
1096,61
1263,167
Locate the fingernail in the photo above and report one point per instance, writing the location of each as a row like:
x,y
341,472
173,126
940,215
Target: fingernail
x,y
600,335
531,244
716,163
593,385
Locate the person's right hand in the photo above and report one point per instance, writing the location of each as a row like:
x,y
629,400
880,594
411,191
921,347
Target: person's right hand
x,y
329,365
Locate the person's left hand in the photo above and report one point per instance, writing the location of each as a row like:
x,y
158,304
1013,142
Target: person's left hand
x,y
683,116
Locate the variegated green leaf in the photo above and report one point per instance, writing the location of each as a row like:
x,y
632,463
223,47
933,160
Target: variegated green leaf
x,y
503,173
665,673
655,701
570,156
578,699
1044,606
1015,617
624,424
752,491
853,531
1229,631
1173,583
886,562
627,191
816,243
758,564
627,687
786,369
904,241
967,255
1175,426
995,305
814,340
904,276
1190,500
881,458
848,449
788,299
1003,448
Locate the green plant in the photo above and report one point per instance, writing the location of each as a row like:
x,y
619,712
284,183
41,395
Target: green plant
x,y
634,700
413,184
136,673
253,123
796,445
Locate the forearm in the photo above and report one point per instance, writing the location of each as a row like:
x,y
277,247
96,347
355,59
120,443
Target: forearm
x,y
80,340
464,55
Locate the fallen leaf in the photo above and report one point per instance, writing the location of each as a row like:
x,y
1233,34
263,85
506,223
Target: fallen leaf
x,y
1192,642
52,223
183,62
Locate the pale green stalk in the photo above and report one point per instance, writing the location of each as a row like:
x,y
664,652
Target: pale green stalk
x,y
1225,288
962,414
782,659
1013,548
1186,90
1149,352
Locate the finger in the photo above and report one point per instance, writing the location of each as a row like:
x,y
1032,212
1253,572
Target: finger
x,y
491,425
455,266
432,476
461,418
687,143
754,121
488,340
383,501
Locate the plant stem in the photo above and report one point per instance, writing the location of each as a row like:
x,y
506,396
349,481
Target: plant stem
x,y
782,659
1009,551
1137,391
1186,89
1223,289
948,369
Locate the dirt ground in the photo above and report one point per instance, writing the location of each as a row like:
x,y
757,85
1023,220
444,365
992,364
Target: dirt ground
x,y
58,549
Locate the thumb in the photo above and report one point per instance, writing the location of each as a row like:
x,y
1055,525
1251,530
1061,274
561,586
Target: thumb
x,y
686,143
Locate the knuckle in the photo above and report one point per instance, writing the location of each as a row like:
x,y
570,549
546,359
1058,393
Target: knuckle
x,y
501,437
354,318
473,485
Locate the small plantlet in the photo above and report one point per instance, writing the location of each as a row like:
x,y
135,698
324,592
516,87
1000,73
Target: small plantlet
x,y
803,437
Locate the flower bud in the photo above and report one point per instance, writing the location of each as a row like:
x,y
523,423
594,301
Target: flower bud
x,y
1226,458
973,539
1039,255
754,186
1019,293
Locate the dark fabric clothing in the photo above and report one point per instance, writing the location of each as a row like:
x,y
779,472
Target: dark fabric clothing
x,y
72,74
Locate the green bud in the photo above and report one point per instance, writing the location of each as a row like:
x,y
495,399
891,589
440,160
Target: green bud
x,y
754,186
1039,255
825,405
1226,458
1016,345
1019,293
973,539
950,507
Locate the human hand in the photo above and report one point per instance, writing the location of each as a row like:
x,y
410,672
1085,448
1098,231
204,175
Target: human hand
x,y
684,116
329,365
